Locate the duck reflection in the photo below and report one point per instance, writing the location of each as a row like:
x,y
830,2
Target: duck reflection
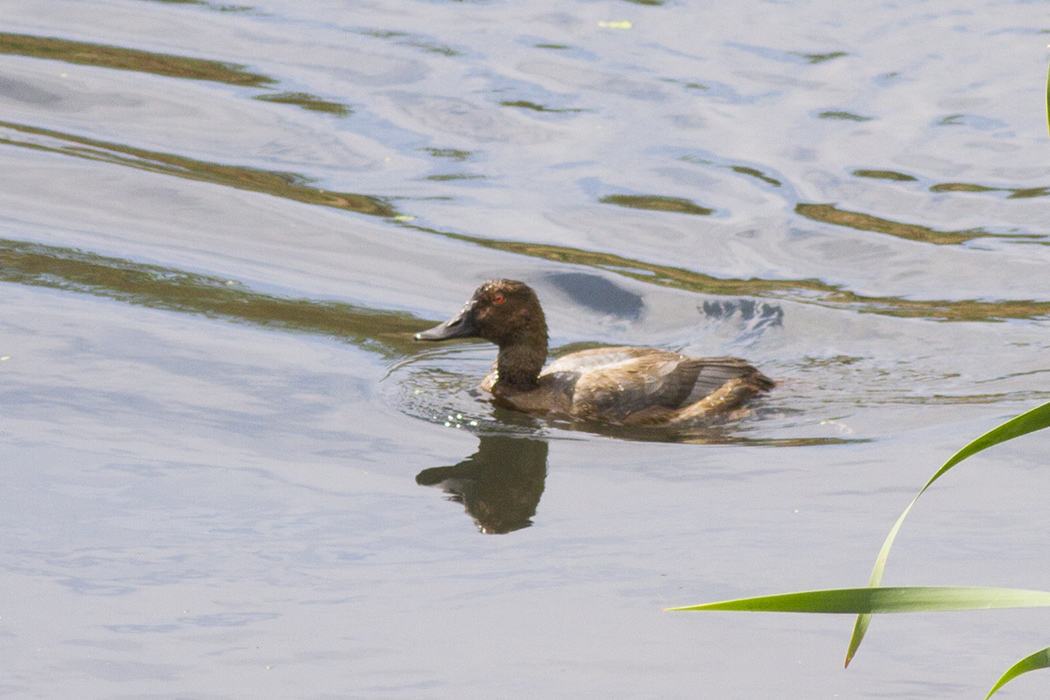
x,y
499,485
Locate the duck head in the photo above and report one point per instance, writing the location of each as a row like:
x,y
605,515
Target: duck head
x,y
501,311
507,313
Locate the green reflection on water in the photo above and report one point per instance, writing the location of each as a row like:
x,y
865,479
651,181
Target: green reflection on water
x,y
386,332
884,175
83,53
754,172
524,104
1015,193
654,202
278,184
809,291
308,101
844,116
271,310
87,54
820,57
829,214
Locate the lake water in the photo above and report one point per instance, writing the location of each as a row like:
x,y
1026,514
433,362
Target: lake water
x,y
227,470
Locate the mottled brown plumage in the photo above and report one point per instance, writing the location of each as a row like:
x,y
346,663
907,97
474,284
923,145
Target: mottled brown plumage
x,y
623,385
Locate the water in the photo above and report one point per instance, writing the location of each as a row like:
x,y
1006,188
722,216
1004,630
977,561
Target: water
x,y
228,470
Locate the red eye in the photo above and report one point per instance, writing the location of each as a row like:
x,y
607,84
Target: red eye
x,y
498,299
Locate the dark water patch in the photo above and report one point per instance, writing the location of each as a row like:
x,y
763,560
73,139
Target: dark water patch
x,y
287,185
844,116
806,291
755,173
87,54
757,316
830,214
1029,192
27,93
415,41
689,85
453,153
598,294
434,47
797,57
739,169
308,101
1015,193
972,121
815,58
961,187
382,33
388,333
166,65
884,175
524,104
678,205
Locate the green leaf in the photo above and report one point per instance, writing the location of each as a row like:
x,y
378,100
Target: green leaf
x,y
1038,660
1036,419
870,600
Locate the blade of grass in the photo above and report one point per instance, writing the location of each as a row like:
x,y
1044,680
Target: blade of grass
x,y
1038,660
871,600
1036,419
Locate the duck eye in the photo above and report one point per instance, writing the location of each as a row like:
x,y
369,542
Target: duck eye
x,y
498,299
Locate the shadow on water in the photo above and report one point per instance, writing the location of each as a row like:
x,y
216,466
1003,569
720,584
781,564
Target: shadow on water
x,y
499,485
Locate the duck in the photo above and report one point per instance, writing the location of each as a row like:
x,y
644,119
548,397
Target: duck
x,y
630,386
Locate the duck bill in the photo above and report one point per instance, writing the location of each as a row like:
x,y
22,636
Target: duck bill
x,y
459,326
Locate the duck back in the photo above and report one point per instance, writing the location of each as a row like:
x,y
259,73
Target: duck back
x,y
638,386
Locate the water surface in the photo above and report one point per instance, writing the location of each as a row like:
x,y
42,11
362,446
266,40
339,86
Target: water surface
x,y
229,471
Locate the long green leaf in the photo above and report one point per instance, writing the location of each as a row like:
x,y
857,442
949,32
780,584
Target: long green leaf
x,y
870,600
1036,419
1038,660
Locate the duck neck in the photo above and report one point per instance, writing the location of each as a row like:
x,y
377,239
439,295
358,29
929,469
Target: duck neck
x,y
519,363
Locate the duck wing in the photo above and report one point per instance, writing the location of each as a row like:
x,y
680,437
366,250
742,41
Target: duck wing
x,y
647,385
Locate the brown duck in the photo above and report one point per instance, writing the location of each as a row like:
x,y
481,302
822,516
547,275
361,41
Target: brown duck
x,y
623,385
